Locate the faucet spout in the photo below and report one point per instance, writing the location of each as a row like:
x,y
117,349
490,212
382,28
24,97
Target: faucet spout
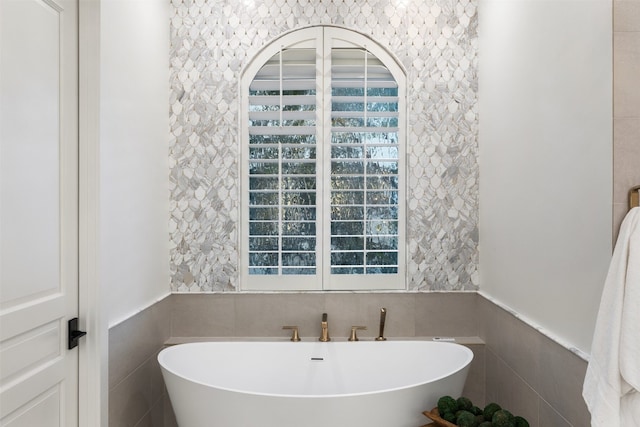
x,y
324,335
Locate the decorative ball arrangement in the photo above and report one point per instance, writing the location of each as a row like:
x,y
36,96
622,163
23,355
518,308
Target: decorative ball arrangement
x,y
462,412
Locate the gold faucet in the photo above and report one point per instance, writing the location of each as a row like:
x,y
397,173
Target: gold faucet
x,y
324,336
295,336
354,335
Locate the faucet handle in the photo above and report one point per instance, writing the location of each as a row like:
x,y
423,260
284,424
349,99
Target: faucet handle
x,y
294,336
354,336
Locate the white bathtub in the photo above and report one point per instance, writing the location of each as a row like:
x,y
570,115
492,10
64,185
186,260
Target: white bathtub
x,y
311,384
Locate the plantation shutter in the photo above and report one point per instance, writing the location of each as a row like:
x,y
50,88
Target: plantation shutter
x,y
364,199
323,167
282,165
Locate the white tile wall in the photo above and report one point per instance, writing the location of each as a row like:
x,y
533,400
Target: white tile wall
x,y
211,42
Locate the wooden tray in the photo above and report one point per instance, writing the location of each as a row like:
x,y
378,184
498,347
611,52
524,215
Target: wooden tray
x,y
437,421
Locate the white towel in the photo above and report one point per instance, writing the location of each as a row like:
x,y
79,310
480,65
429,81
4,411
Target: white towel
x,y
612,383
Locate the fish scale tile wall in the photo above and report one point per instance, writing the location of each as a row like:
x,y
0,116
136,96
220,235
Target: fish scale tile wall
x,y
212,41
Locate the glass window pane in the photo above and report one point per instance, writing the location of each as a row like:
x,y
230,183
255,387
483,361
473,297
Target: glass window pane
x,y
346,138
262,198
268,152
298,122
381,122
264,214
382,227
379,138
382,168
347,106
299,228
298,243
339,213
382,152
347,258
387,212
347,197
298,198
263,271
382,91
347,270
347,91
254,92
337,121
346,183
263,259
347,243
347,167
281,139
299,91
346,152
263,183
261,139
263,243
382,242
258,107
382,258
382,197
342,228
298,168
299,213
263,168
298,183
263,228
296,139
382,106
382,270
297,107
258,122
299,259
299,152
382,182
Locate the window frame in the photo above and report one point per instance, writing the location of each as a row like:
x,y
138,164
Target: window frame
x,y
324,39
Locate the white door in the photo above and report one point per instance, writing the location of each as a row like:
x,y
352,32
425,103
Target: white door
x,y
38,212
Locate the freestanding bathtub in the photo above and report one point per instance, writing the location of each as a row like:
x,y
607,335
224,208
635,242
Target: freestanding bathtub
x,y
311,384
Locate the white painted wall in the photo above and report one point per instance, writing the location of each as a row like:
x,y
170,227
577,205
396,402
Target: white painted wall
x,y
546,160
134,129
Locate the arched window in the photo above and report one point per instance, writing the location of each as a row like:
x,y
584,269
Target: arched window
x,y
323,165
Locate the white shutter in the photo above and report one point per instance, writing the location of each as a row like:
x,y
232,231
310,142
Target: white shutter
x,y
323,158
365,189
282,118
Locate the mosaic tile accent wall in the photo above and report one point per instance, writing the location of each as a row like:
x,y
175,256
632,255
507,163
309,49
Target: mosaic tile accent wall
x,y
213,40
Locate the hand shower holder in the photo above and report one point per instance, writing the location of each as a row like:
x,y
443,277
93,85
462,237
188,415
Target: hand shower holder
x,y
383,317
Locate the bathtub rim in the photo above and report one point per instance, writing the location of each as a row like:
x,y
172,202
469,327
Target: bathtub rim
x,y
465,349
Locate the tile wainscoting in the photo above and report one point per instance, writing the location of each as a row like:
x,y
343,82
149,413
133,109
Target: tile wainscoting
x,y
529,373
517,366
137,395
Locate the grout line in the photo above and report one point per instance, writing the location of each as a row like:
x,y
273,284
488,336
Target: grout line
x,y
151,408
554,410
149,359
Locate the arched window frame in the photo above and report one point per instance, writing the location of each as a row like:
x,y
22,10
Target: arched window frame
x,y
323,39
